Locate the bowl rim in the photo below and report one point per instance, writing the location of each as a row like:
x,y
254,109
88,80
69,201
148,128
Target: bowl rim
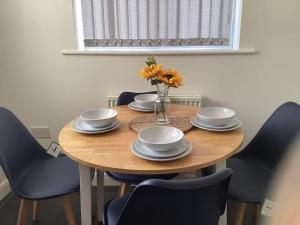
x,y
138,100
221,117
90,110
166,143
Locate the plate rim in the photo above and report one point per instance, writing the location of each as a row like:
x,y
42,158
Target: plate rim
x,y
139,109
94,132
134,105
216,127
187,152
102,129
183,140
216,130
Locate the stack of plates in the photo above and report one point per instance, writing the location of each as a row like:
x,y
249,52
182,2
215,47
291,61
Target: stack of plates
x,y
216,119
232,125
84,128
96,121
161,144
143,103
183,148
136,107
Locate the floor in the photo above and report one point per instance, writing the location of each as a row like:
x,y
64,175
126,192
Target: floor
x,y
51,213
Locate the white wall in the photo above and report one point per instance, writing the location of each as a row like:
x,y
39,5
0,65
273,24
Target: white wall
x,y
44,87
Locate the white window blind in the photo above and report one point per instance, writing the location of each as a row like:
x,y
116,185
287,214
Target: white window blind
x,y
108,23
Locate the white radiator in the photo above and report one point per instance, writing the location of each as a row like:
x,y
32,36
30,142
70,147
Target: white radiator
x,y
192,100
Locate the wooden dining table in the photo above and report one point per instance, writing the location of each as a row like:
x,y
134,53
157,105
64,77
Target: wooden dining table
x,y
111,152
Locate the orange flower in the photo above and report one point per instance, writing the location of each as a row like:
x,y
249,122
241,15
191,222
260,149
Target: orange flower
x,y
171,78
151,71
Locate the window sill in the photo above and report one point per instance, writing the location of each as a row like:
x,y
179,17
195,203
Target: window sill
x,y
159,51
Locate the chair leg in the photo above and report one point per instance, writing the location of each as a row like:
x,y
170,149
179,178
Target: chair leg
x,y
35,211
240,214
255,213
68,211
123,189
23,211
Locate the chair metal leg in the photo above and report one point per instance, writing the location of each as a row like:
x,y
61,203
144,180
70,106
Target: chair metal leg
x,y
23,211
68,211
240,214
35,211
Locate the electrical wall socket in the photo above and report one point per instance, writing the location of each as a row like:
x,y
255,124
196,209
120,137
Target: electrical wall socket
x,y
40,131
268,208
54,149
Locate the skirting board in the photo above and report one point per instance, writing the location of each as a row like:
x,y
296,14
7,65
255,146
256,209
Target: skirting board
x,y
4,189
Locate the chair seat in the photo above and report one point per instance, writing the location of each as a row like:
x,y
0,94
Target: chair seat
x,y
249,182
113,210
136,179
50,178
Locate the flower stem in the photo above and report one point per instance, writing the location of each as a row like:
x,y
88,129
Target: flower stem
x,y
162,97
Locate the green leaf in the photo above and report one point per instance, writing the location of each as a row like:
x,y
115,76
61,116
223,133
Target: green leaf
x,y
150,61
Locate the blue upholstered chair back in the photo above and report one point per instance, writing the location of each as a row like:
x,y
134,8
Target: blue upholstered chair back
x,y
274,138
19,151
191,202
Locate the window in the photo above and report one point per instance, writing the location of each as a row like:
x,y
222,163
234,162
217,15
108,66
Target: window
x,y
158,23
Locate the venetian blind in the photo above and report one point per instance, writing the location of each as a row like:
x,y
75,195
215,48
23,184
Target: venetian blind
x,y
108,23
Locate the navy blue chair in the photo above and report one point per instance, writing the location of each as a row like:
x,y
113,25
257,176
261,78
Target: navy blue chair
x,y
33,174
189,202
256,163
129,179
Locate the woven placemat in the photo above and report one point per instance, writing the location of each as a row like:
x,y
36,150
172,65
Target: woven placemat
x,y
148,120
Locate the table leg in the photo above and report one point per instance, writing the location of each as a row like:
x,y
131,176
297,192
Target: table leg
x,y
85,195
220,166
100,195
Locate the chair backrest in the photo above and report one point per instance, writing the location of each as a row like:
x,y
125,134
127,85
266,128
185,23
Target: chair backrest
x,y
126,97
190,202
19,151
272,141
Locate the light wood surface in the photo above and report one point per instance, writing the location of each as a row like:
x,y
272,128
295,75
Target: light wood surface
x,y
64,201
110,151
35,212
23,211
240,214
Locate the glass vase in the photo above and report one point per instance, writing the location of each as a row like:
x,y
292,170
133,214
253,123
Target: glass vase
x,y
161,108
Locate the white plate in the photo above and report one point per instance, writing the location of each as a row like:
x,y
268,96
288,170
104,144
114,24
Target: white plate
x,y
179,149
82,125
133,106
143,156
76,129
234,122
194,123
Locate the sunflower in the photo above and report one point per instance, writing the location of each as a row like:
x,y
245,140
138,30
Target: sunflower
x,y
171,78
151,71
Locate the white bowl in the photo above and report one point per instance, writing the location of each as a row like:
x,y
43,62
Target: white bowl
x,y
145,100
99,117
160,138
216,116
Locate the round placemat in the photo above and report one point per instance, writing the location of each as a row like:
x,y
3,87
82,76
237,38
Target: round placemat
x,y
148,120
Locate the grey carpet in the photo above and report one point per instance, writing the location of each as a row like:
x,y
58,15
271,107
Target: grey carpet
x,y
51,213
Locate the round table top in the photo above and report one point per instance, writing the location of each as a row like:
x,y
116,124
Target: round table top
x,y
111,151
